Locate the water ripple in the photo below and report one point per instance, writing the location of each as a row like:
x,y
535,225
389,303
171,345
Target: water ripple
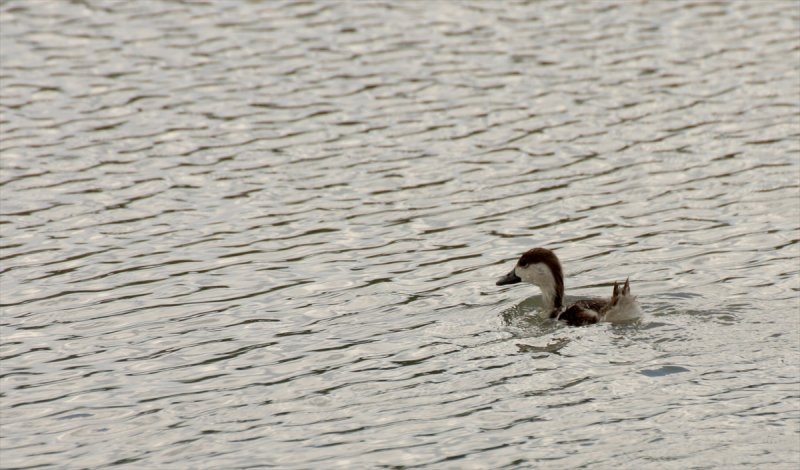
x,y
265,234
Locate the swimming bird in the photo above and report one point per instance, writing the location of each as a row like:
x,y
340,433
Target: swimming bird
x,y
540,267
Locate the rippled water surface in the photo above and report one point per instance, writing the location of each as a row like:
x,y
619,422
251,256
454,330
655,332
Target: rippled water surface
x,y
265,234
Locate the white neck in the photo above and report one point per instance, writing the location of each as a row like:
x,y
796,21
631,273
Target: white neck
x,y
549,294
540,275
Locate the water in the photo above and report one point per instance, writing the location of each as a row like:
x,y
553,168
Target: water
x,y
263,234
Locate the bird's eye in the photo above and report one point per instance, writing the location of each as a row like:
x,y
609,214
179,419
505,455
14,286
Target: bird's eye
x,y
523,265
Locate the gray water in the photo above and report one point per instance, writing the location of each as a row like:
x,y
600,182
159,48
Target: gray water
x,y
266,234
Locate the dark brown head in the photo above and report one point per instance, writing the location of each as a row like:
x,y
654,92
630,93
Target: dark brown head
x,y
540,267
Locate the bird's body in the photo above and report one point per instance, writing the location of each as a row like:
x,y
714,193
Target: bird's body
x,y
540,267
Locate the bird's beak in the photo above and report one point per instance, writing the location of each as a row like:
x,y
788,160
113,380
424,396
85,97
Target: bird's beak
x,y
510,278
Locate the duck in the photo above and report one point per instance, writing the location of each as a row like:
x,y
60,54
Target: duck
x,y
541,267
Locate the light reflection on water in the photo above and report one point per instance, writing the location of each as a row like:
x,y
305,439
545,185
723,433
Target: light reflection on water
x,y
266,235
